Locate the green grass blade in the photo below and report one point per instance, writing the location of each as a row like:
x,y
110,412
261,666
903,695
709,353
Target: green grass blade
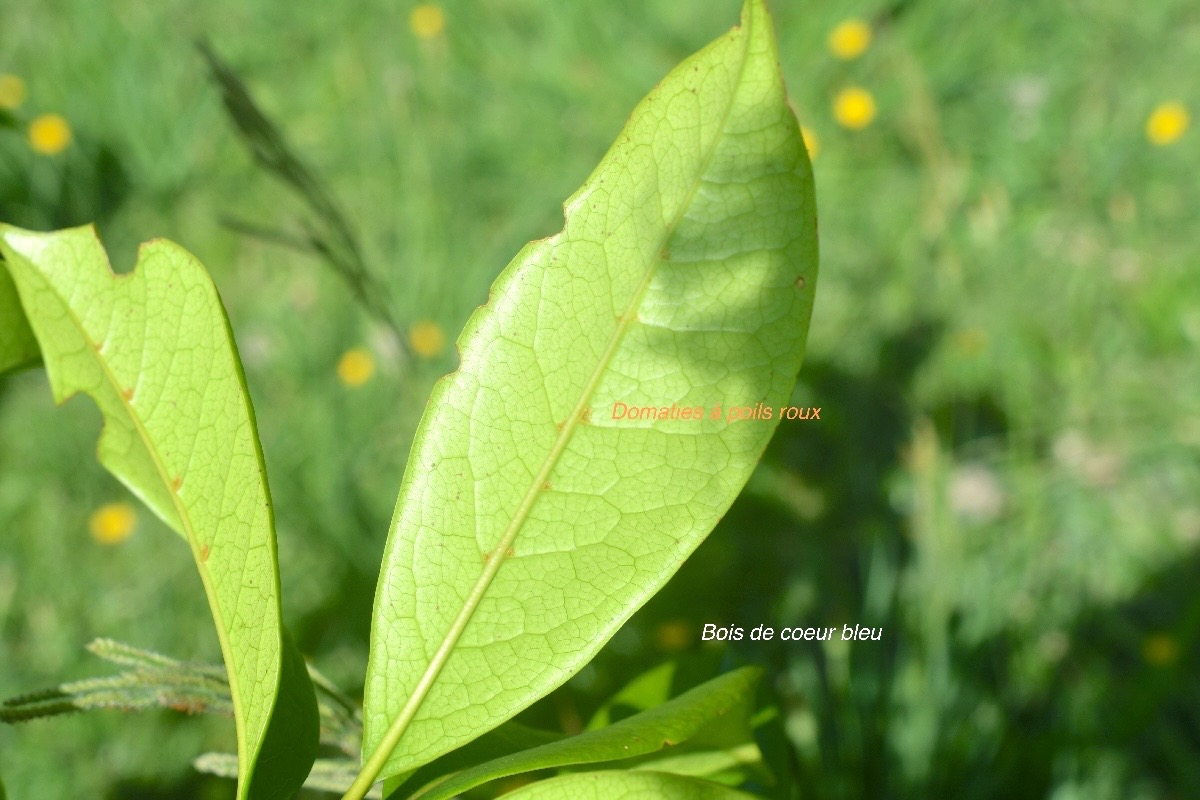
x,y
331,237
626,786
530,525
18,347
154,350
652,731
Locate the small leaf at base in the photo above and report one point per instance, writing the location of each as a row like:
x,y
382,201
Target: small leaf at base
x,y
656,730
626,786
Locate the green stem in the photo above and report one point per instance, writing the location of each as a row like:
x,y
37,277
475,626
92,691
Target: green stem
x,y
370,772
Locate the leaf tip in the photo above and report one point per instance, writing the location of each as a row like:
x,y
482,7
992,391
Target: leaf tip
x,y
753,11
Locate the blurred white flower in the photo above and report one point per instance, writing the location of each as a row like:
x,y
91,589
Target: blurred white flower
x,y
976,493
1027,94
385,343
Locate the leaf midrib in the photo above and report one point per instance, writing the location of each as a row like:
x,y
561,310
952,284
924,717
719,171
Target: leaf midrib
x,y
94,348
396,730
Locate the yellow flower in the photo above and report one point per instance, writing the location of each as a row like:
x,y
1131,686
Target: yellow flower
x,y
49,134
1159,649
426,339
1167,123
427,21
850,39
811,143
113,523
854,108
356,367
12,92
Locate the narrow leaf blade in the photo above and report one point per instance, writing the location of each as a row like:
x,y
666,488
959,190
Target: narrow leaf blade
x,y
530,523
505,740
644,691
154,350
651,731
626,786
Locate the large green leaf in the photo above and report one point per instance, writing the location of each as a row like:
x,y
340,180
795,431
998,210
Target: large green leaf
x,y
18,347
530,524
626,786
657,729
154,350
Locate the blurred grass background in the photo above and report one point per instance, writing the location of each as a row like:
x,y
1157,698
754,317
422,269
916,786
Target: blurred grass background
x,y
1005,475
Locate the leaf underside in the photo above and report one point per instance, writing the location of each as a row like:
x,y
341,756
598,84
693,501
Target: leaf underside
x,y
18,347
154,350
530,524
